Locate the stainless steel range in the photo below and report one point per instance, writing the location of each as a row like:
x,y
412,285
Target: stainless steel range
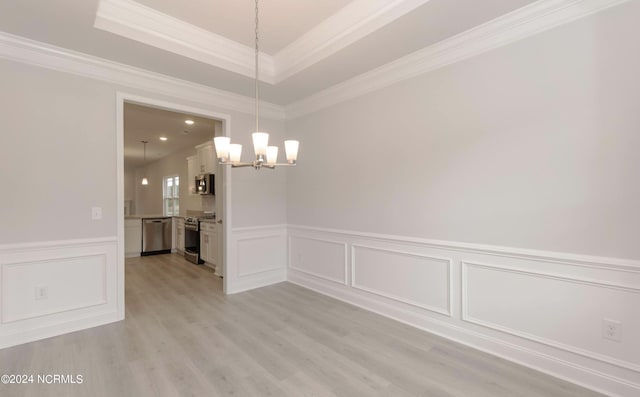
x,y
192,240
192,237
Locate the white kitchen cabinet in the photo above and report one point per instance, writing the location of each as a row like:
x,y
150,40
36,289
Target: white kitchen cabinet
x,y
132,237
193,169
206,158
178,233
204,249
208,243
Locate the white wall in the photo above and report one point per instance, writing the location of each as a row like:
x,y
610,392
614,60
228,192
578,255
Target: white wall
x,y
59,129
533,145
259,197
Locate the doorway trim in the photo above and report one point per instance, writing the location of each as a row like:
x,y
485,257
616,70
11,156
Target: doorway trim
x,y
121,99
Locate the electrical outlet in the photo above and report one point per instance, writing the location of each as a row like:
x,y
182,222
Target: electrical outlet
x,y
612,330
42,292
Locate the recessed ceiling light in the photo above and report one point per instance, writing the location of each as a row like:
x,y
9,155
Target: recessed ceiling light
x,y
163,138
190,122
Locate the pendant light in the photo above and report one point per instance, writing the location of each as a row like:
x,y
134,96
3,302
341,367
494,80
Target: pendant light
x,y
266,156
145,181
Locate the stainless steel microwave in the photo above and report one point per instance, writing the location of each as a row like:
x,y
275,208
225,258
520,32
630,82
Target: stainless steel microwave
x,y
205,184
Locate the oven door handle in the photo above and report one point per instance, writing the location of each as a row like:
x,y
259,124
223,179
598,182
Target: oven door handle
x,y
191,227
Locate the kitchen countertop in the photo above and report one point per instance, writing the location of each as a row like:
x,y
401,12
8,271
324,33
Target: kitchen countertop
x,y
134,217
155,216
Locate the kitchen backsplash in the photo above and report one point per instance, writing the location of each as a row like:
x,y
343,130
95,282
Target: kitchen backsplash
x,y
196,202
208,203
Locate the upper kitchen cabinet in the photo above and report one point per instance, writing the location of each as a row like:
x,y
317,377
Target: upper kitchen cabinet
x,y
206,158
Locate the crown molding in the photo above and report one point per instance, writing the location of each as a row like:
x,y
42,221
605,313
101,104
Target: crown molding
x,y
20,49
519,24
146,25
527,21
353,22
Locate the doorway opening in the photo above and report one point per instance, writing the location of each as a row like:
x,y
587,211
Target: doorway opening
x,y
179,149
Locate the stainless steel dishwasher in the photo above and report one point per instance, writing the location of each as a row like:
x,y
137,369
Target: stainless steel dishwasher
x,y
156,236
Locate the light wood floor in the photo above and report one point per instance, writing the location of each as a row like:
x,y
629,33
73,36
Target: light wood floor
x,y
182,337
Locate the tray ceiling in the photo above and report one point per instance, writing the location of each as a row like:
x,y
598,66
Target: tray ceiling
x,y
281,21
308,45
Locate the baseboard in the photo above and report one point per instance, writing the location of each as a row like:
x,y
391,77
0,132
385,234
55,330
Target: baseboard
x,y
258,280
50,330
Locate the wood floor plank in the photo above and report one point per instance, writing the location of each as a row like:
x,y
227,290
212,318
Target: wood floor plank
x,y
183,337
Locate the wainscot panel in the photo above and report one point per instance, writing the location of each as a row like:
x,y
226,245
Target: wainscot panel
x,y
257,258
320,258
418,280
562,312
51,288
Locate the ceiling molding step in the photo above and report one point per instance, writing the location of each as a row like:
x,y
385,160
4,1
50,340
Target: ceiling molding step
x,y
353,22
20,49
144,24
519,24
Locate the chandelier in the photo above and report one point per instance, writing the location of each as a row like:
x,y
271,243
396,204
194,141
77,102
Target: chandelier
x,y
266,156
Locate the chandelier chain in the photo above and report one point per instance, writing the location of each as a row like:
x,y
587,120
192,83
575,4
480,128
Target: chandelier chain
x,y
257,88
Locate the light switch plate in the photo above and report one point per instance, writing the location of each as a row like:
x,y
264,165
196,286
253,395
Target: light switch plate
x,y
42,292
96,213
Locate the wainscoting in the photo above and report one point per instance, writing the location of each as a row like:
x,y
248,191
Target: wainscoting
x,y
257,257
543,310
51,288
